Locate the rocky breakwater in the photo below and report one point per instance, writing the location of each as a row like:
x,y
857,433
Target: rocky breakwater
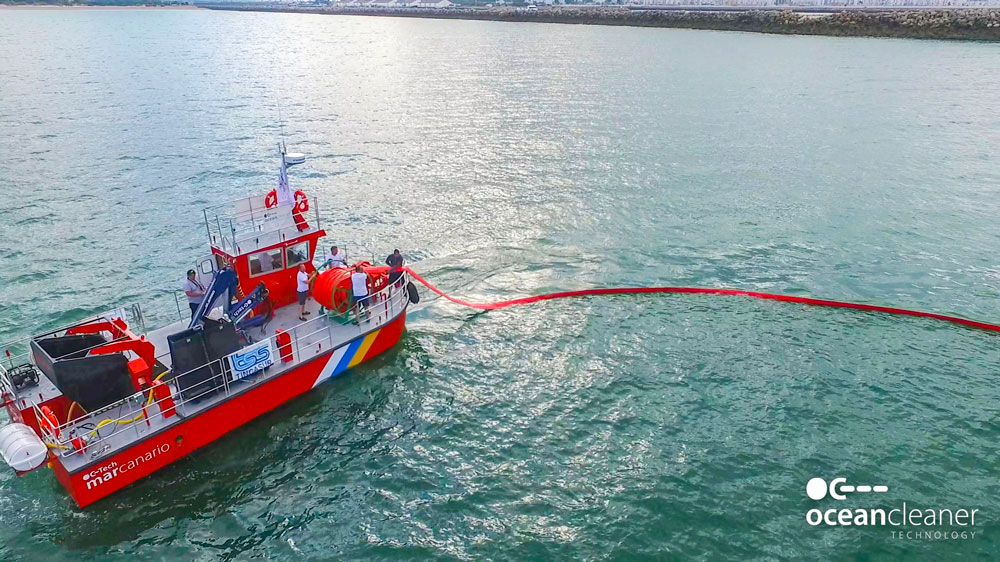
x,y
979,23
982,24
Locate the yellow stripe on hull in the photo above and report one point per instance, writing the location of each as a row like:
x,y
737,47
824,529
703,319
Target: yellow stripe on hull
x,y
363,350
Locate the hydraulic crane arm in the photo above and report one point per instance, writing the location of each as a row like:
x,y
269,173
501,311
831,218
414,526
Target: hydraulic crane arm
x,y
224,285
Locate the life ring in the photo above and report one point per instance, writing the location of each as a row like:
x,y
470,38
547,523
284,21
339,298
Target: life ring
x,y
50,421
301,206
301,202
271,199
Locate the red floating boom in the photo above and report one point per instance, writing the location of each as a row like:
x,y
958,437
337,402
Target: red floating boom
x,y
705,291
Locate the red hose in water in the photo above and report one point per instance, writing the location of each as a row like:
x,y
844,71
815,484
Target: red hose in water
x,y
703,291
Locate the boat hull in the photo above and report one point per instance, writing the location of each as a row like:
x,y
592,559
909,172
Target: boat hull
x,y
109,475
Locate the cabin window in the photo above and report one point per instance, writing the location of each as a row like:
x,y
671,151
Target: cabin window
x,y
205,266
299,253
265,262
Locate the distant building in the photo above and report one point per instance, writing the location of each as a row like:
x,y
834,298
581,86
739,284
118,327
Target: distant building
x,y
431,4
808,3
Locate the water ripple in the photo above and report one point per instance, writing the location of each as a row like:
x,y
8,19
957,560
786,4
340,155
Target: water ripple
x,y
511,160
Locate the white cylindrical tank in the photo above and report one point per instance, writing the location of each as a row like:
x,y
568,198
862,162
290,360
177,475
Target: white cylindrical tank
x,y
21,448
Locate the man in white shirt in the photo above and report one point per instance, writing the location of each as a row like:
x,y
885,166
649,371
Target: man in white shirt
x,y
303,280
359,286
336,258
194,290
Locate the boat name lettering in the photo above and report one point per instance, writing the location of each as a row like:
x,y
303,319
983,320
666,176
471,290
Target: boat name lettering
x,y
103,474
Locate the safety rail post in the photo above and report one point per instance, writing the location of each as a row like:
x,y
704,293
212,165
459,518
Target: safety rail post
x,y
208,229
142,412
253,223
386,305
316,212
218,224
224,375
139,316
7,391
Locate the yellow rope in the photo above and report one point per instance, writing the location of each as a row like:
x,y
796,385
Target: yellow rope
x,y
119,422
69,413
123,422
108,422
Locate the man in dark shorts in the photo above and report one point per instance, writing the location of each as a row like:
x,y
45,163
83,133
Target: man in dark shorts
x,y
303,280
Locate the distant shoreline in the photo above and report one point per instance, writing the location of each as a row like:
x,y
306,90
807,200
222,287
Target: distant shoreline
x,y
982,24
90,7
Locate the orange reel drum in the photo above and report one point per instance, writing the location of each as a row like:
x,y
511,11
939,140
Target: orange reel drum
x,y
379,277
333,287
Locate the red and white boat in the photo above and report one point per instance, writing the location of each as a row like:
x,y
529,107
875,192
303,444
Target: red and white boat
x,y
106,404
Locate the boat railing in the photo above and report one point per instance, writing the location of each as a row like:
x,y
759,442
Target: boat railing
x,y
353,252
247,224
94,433
8,392
7,363
18,352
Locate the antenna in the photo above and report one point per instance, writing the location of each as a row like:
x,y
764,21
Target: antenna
x,y
281,125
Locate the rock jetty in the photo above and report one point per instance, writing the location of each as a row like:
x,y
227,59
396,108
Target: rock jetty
x,y
974,23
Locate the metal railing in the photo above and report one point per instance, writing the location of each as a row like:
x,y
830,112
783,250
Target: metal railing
x,y
353,252
239,226
137,412
132,315
383,305
8,392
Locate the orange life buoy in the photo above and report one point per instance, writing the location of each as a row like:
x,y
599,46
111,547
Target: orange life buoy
x,y
50,421
301,202
301,206
271,199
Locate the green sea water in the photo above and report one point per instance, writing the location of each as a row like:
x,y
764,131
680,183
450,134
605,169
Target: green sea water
x,y
508,160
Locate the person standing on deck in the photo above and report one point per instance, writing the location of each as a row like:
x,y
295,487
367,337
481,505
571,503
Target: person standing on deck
x,y
194,290
335,258
359,288
395,263
303,281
